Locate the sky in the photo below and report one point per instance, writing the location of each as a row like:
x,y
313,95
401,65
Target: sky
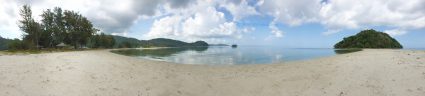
x,y
287,23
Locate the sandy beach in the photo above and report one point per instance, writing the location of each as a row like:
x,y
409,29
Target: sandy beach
x,y
371,72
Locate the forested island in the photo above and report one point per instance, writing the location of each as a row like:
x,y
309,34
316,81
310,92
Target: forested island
x,y
369,39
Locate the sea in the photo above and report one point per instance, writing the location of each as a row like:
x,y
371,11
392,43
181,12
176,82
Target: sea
x,y
226,55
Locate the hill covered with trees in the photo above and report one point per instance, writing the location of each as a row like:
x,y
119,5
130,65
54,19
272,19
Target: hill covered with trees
x,y
369,39
163,42
126,42
3,43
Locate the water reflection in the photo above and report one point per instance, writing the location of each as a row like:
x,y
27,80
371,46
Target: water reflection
x,y
343,51
161,52
229,56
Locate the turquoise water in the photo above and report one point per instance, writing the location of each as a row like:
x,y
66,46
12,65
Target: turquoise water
x,y
225,55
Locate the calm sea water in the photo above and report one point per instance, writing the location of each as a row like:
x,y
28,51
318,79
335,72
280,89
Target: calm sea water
x,y
225,55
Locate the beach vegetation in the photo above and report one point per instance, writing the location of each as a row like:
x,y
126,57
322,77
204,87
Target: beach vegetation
x,y
58,26
101,41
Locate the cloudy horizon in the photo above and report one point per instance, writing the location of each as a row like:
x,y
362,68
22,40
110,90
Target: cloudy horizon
x,y
288,23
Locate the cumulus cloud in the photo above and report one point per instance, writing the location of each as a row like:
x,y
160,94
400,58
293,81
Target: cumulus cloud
x,y
274,30
338,15
292,12
239,8
364,13
8,19
209,23
199,21
165,27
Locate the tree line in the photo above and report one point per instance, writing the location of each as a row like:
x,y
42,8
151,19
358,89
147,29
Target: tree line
x,y
58,26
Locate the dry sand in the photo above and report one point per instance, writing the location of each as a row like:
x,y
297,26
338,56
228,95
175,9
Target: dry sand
x,y
372,72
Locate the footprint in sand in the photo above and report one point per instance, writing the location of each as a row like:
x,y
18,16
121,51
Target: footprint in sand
x,y
341,94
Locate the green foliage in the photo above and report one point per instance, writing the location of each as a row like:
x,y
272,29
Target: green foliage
x,y
101,41
57,27
32,29
369,39
79,29
46,38
59,33
126,42
54,28
17,44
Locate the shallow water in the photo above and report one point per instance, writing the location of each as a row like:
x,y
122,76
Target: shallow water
x,y
225,55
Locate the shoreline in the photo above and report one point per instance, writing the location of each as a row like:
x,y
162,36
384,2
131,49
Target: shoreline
x,y
371,72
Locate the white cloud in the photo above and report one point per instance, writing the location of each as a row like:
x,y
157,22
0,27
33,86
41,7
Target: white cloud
x,y
200,21
209,23
358,14
239,9
333,31
337,15
274,30
395,32
165,27
291,12
8,19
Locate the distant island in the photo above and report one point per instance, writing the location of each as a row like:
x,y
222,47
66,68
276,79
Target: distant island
x,y
127,42
369,39
164,42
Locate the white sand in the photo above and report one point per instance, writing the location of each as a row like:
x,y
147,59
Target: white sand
x,y
379,72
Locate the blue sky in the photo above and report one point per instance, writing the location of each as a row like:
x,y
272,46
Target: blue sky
x,y
287,23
